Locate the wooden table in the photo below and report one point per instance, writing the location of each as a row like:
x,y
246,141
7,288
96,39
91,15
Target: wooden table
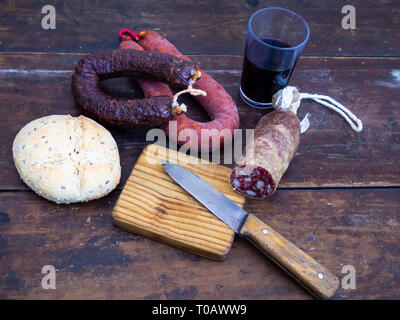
x,y
339,201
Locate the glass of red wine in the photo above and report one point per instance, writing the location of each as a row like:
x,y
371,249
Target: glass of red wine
x,y
275,40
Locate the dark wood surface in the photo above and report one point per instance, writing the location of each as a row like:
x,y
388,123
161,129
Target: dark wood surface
x,y
339,200
197,27
94,259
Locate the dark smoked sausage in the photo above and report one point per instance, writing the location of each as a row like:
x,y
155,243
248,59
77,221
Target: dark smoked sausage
x,y
268,155
150,87
218,103
152,111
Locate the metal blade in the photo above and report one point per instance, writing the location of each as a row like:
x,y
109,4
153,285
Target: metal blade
x,y
226,210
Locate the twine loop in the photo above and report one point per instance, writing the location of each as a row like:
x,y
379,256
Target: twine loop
x,y
179,108
289,98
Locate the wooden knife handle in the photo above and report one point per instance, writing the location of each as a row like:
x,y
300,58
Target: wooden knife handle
x,y
296,262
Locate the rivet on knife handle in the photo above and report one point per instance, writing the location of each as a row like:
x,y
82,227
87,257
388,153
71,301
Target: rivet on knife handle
x,y
301,266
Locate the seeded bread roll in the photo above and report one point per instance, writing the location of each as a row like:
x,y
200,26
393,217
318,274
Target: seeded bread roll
x,y
67,159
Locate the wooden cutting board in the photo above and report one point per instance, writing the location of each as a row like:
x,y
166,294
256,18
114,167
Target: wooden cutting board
x,y
151,204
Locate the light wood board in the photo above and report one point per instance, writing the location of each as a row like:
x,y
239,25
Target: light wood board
x,y
151,204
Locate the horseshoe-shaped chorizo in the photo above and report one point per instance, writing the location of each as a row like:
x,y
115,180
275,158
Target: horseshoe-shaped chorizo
x,y
153,111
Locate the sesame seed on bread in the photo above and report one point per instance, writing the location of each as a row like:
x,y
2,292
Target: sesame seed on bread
x,y
67,159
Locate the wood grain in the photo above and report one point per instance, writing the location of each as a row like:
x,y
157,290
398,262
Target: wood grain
x,y
330,153
96,260
356,225
151,204
313,276
201,27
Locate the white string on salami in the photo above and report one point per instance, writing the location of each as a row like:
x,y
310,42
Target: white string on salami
x,y
290,98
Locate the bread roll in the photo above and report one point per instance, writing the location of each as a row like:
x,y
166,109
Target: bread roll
x,y
67,159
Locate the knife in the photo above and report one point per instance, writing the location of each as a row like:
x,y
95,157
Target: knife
x,y
313,276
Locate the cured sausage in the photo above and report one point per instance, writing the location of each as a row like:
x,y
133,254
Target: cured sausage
x,y
259,170
152,111
150,87
218,103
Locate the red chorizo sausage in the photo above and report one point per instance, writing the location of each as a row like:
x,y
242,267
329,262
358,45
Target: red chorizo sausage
x,y
218,103
259,170
152,111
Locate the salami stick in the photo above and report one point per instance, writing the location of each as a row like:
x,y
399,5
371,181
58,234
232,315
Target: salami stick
x,y
259,170
276,139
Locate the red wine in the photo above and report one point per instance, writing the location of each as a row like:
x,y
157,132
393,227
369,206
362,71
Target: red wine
x,y
260,84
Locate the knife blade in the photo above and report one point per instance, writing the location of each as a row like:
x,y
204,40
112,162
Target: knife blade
x,y
207,195
312,275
